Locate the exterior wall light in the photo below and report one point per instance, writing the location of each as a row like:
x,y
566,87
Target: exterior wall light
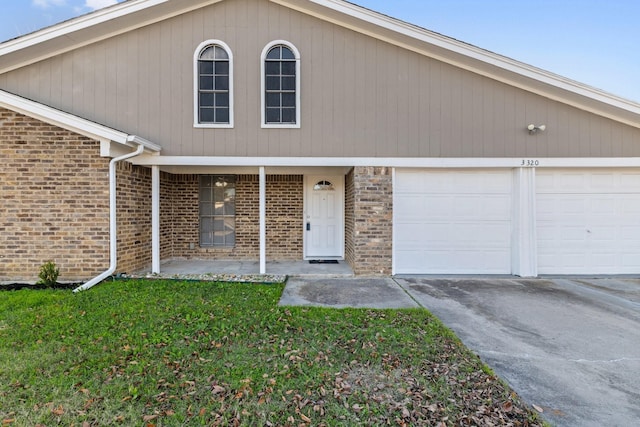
x,y
535,129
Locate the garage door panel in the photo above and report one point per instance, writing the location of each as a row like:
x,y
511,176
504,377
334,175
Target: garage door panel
x,y
462,225
630,206
629,182
630,234
553,233
439,262
441,235
411,205
487,207
587,221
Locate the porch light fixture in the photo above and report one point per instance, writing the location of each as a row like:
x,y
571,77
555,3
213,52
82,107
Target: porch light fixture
x,y
536,128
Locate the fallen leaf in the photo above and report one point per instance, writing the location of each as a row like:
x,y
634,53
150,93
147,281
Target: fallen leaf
x,y
58,411
406,413
537,408
88,404
305,418
216,389
507,406
147,418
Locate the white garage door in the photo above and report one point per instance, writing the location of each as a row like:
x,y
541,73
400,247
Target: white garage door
x,y
452,222
588,221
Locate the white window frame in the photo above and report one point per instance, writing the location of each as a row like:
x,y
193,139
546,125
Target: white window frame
x,y
196,85
263,57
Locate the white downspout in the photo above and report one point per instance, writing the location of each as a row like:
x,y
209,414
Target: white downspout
x,y
113,237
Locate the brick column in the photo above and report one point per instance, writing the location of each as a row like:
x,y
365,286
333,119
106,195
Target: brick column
x,y
369,239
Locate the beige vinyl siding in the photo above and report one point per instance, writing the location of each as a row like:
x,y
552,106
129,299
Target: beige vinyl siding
x,y
360,96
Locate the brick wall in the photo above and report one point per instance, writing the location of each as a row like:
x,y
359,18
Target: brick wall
x,y
166,215
369,219
284,218
349,218
133,203
182,212
54,201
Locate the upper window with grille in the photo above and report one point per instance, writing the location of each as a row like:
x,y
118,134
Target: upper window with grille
x,y
280,85
213,85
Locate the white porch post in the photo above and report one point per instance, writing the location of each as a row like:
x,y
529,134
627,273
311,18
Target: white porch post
x,y
524,238
155,219
263,220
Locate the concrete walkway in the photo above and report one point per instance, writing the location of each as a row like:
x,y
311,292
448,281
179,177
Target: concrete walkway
x,y
569,346
346,292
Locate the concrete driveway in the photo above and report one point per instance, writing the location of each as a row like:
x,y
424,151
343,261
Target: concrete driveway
x,y
568,346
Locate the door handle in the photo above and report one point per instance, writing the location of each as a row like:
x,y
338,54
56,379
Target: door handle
x,y
308,226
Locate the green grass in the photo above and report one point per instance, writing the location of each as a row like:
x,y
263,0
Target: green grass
x,y
195,353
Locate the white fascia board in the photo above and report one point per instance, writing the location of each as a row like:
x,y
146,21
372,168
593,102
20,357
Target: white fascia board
x,y
469,51
60,118
80,23
67,28
73,123
397,162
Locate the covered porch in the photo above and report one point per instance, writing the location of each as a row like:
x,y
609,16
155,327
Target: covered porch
x,y
266,221
274,219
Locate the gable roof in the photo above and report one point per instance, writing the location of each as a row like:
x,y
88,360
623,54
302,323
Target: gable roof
x,y
133,14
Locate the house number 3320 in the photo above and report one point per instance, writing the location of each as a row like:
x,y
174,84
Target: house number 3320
x,y
530,163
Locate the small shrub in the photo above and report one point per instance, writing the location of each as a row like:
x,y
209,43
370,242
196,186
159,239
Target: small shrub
x,y
48,274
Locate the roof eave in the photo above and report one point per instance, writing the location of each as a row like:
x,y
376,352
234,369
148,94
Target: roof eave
x,y
470,58
134,14
90,28
72,123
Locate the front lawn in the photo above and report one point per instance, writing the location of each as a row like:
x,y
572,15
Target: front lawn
x,y
169,353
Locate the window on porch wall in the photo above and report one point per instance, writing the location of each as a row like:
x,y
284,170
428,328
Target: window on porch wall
x,y
217,210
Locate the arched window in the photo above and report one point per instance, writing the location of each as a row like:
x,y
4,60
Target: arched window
x,y
280,85
213,85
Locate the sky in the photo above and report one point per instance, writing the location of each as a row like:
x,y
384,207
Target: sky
x,y
594,42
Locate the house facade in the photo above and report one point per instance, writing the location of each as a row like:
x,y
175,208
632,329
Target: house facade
x,y
303,129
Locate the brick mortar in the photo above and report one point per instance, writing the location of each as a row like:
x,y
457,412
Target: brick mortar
x,y
284,218
55,197
370,215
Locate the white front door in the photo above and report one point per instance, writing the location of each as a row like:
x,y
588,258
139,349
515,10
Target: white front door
x,y
324,217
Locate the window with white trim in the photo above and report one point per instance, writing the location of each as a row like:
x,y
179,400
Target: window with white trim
x,y
213,85
280,85
217,210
